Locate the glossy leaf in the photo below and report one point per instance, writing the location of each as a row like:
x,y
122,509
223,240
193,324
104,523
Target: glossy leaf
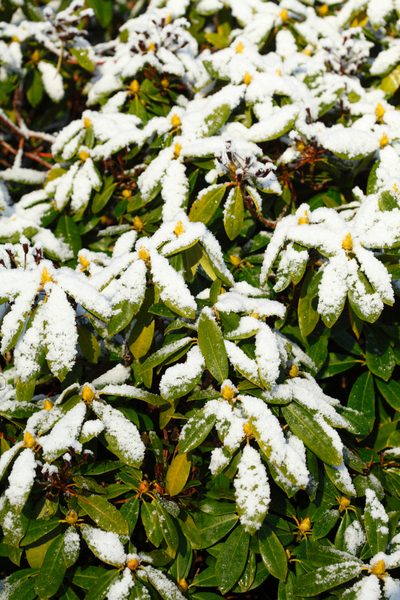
x,y
212,347
232,559
177,474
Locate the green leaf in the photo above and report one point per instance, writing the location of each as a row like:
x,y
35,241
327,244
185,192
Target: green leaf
x,y
307,311
151,523
212,528
103,10
104,514
82,56
67,229
88,344
234,213
338,479
123,318
177,474
196,431
325,578
372,183
204,207
164,586
216,119
232,559
35,90
379,354
315,437
99,589
376,524
166,352
167,526
272,552
22,589
387,201
362,398
37,529
324,522
391,83
101,198
130,510
391,392
53,569
212,346
336,363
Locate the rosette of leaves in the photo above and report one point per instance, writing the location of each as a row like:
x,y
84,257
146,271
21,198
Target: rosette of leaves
x,y
343,256
365,550
35,293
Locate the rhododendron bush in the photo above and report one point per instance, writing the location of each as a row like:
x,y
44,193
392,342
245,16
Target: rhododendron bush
x,y
199,262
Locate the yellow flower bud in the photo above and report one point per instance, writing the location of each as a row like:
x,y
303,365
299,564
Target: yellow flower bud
x,y
294,371
307,52
235,260
227,392
126,194
239,48
182,584
151,48
165,82
143,254
179,229
305,525
83,155
347,243
284,15
138,223
396,189
279,72
304,220
379,111
300,146
132,564
71,517
88,394
379,568
176,122
177,150
247,429
343,503
255,315
384,141
84,262
29,440
14,38
46,277
87,122
323,10
35,57
168,19
134,87
247,79
48,405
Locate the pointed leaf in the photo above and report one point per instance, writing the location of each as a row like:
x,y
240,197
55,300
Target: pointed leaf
x,y
205,205
212,346
272,552
314,436
104,514
234,213
232,559
195,431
